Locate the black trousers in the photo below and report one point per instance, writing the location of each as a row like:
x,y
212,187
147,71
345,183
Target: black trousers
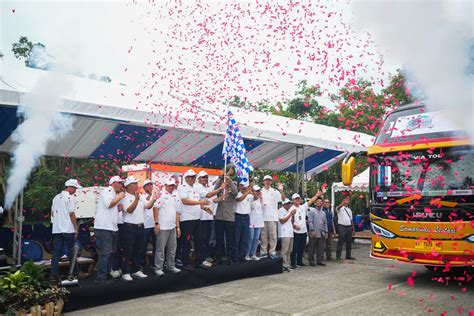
x,y
133,247
206,227
299,242
191,229
225,239
344,236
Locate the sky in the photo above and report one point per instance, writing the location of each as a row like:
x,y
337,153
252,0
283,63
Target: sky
x,y
203,52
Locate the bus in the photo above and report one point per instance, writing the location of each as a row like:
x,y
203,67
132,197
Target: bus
x,y
421,189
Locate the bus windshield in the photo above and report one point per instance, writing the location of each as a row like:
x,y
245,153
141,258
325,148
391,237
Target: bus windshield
x,y
439,172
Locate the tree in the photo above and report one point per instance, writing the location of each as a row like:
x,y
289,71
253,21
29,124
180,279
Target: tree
x,y
22,49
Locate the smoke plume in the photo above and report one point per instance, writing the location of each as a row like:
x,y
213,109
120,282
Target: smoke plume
x,y
433,41
41,124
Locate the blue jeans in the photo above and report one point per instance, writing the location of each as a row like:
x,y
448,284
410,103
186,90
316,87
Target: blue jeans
x,y
106,244
206,227
59,241
149,236
134,236
242,235
254,239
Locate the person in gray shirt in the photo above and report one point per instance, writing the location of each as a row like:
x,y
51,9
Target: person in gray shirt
x,y
318,230
225,220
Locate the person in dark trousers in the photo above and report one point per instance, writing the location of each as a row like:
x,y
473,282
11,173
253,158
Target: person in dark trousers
x,y
243,207
345,229
317,234
65,231
148,200
225,220
134,231
331,228
300,228
190,214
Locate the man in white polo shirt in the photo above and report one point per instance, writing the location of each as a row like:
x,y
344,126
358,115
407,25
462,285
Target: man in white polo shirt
x,y
134,231
190,215
286,218
64,224
167,228
105,227
207,213
243,207
345,229
148,200
270,199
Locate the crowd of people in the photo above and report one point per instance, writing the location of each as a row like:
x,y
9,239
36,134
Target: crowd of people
x,y
184,216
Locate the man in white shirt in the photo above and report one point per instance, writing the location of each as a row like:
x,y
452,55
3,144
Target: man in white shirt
x,y
345,229
148,199
286,218
64,224
105,227
300,228
243,206
134,231
208,212
270,199
256,223
190,214
166,228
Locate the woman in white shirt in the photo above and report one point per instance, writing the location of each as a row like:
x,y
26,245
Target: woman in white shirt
x,y
256,224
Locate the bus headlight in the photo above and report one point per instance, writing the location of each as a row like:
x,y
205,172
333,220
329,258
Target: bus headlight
x,y
379,231
470,238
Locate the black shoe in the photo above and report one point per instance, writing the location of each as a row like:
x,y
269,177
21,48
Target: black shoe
x,y
321,264
329,259
294,266
350,258
188,267
179,263
312,264
103,282
230,262
285,269
301,264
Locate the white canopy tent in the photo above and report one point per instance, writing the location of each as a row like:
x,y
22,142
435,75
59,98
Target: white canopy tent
x,y
360,183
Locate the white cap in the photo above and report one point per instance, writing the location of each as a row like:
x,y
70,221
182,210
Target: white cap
x,y
147,182
170,181
72,183
189,173
295,196
115,179
1,210
130,181
202,173
286,201
256,188
267,177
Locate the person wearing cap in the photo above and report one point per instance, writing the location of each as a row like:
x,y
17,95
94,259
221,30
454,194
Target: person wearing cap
x,y
167,228
134,231
225,219
148,200
208,212
270,199
318,229
65,229
300,228
105,227
286,219
243,207
190,214
255,223
331,228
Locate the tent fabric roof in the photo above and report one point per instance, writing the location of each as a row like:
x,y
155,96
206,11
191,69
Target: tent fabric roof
x,y
115,122
359,183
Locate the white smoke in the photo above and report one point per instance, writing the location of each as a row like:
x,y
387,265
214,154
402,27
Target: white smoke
x,y
42,123
433,42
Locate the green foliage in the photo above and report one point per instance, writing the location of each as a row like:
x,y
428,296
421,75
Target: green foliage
x,y
13,281
36,274
22,49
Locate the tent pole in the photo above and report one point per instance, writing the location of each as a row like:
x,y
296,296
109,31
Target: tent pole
x,y
297,184
303,175
332,197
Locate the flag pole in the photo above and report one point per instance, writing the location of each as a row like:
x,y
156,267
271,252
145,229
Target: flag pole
x,y
225,145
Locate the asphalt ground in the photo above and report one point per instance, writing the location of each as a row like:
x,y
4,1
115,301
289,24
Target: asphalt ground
x,y
365,286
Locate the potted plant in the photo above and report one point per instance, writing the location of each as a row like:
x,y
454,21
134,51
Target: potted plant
x,y
26,292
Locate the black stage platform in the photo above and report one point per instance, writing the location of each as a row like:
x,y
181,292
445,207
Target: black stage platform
x,y
90,295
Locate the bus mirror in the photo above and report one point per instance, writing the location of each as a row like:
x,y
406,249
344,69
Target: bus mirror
x,y
348,165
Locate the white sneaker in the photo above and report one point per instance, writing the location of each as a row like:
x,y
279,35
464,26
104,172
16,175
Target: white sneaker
x,y
115,274
140,275
247,258
174,270
127,277
254,258
160,273
207,264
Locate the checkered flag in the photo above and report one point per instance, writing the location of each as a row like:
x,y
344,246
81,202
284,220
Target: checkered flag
x,y
234,148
